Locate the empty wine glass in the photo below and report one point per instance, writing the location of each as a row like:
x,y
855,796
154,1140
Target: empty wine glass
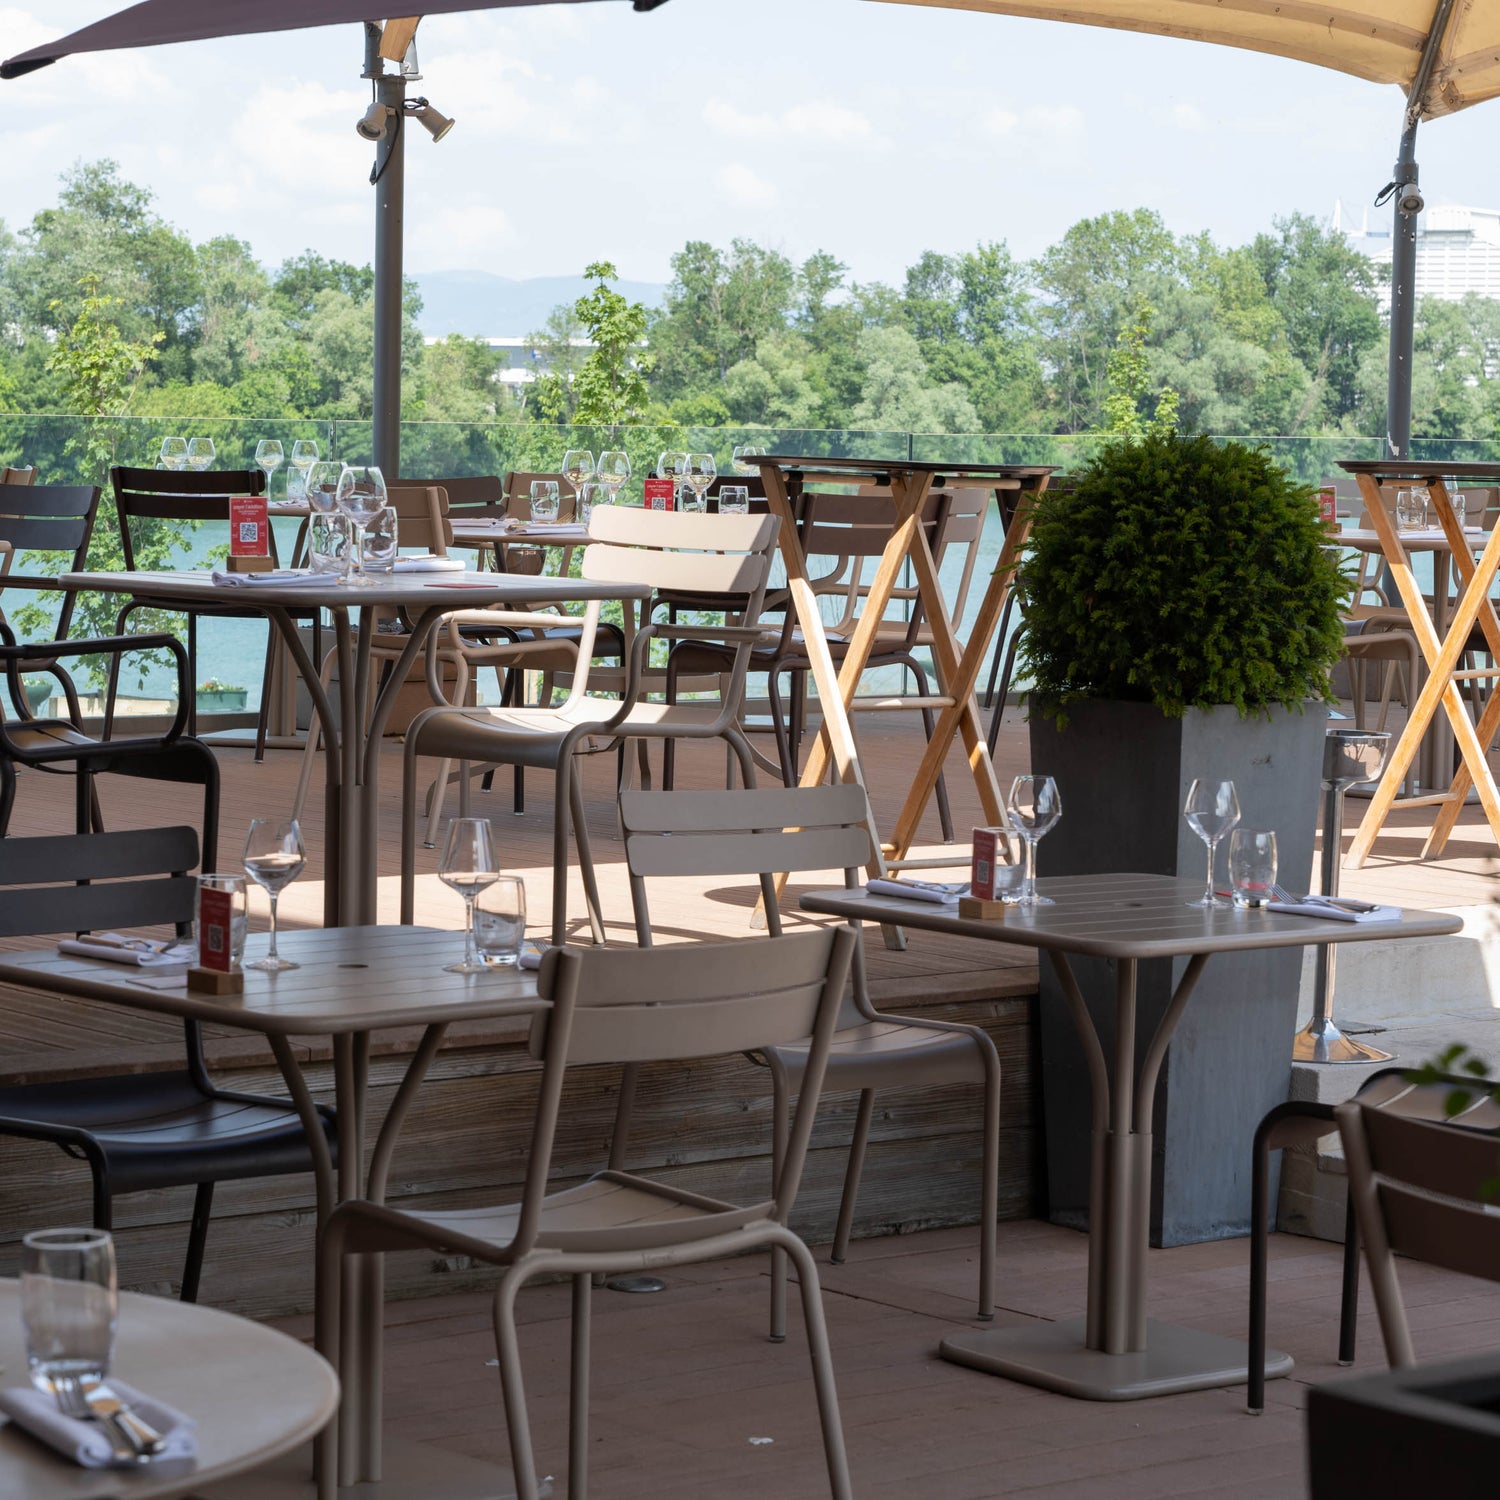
x,y
361,496
744,456
701,472
1212,809
268,458
578,467
468,866
1033,807
200,454
274,858
320,484
614,471
174,453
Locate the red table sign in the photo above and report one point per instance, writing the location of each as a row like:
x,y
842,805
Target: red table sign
x,y
661,494
215,928
249,526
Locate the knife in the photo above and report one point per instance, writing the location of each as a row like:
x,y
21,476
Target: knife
x,y
108,1407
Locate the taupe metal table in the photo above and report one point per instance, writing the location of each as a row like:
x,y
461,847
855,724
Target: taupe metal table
x,y
1115,1353
351,860
252,1393
352,982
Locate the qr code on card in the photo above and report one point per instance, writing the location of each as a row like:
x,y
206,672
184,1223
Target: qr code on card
x,y
249,531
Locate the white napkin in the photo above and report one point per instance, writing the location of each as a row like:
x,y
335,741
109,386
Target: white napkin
x,y
1334,913
428,563
920,890
278,577
1437,534
88,1443
531,955
562,531
145,953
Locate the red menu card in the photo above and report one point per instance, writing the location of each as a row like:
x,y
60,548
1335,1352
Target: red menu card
x,y
249,526
215,929
661,494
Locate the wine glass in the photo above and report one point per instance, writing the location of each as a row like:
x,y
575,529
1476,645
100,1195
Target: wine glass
x,y
594,492
468,866
200,454
701,472
320,484
1034,808
744,456
174,453
578,466
614,470
1211,810
268,458
361,496
274,858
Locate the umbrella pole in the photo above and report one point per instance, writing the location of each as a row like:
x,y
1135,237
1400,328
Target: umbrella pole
x,y
1408,205
389,179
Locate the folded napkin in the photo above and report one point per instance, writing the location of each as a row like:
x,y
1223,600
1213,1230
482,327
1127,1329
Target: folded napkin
x,y
560,531
428,563
88,1443
531,955
1335,913
279,577
145,953
920,890
1437,534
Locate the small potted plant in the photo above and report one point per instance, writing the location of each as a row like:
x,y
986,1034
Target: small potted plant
x,y
1183,613
216,697
38,690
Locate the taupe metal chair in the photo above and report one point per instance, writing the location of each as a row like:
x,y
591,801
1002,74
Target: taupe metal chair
x,y
1419,1190
764,832
621,1006
728,556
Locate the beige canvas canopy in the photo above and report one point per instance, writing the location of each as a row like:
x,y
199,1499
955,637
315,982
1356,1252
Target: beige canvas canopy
x,y
1381,40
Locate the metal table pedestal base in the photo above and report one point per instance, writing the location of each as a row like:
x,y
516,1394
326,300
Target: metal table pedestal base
x,y
1053,1356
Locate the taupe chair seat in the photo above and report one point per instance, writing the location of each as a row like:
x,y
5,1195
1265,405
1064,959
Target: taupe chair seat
x,y
892,1054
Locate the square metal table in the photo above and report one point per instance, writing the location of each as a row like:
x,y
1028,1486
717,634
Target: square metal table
x,y
1115,1353
353,981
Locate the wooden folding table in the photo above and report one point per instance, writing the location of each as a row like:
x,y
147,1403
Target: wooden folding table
x,y
1442,652
957,666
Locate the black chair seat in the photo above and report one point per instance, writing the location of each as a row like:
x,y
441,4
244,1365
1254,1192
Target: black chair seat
x,y
160,1130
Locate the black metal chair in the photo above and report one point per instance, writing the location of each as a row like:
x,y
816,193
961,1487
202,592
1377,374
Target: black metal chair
x,y
138,1132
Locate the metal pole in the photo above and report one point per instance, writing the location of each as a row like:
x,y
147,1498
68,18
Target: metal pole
x,y
390,210
1408,205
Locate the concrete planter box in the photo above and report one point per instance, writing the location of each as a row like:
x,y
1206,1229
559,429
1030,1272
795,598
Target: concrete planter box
x,y
223,701
1433,1430
1123,770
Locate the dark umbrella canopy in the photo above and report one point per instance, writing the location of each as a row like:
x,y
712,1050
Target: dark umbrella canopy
x,y
154,23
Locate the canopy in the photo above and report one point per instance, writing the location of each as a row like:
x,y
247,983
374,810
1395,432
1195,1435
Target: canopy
x,y
1381,40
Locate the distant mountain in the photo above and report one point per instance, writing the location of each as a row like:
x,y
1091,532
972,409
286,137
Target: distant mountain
x,y
479,304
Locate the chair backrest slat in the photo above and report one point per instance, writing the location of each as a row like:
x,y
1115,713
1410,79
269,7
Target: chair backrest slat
x,y
49,518
421,517
471,494
668,550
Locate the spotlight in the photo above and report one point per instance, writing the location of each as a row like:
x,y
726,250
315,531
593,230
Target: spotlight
x,y
433,121
371,125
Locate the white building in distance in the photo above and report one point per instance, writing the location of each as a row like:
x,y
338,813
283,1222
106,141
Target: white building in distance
x,y
1458,251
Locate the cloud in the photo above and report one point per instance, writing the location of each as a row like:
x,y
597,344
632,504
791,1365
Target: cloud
x,y
744,188
823,123
1038,121
464,235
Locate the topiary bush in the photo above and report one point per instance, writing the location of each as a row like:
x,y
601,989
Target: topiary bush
x,y
1181,572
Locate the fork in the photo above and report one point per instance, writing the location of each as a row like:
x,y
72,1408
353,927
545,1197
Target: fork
x,y
1344,903
72,1402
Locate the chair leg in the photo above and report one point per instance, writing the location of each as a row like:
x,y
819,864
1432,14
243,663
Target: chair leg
x,y
512,1388
263,719
779,727
578,1391
822,1368
1260,1175
989,1194
852,1173
585,858
561,820
1349,1300
779,1137
192,1270
408,834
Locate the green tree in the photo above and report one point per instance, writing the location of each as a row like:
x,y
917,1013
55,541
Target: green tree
x,y
1128,384
898,394
610,386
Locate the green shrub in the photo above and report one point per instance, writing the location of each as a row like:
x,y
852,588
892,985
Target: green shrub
x,y
1180,572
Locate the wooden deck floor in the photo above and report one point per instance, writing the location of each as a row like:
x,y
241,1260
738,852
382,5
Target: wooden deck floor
x,y
684,1382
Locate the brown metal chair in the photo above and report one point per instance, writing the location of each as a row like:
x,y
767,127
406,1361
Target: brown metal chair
x,y
771,830
613,1006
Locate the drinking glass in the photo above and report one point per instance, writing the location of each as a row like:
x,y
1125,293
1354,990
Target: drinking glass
x,y
274,858
69,1304
320,484
500,921
1460,504
200,454
328,542
1252,866
1411,509
361,496
1212,809
239,920
382,541
594,492
544,501
700,473
614,470
468,866
670,464
1034,807
304,456
734,500
744,456
578,466
174,453
268,458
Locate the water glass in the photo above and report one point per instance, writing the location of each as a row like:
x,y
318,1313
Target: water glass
x,y
382,541
1411,509
69,1304
1460,504
594,492
328,542
1252,866
734,500
544,501
500,921
239,921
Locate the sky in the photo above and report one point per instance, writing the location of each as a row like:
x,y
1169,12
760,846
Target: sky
x,y
588,132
